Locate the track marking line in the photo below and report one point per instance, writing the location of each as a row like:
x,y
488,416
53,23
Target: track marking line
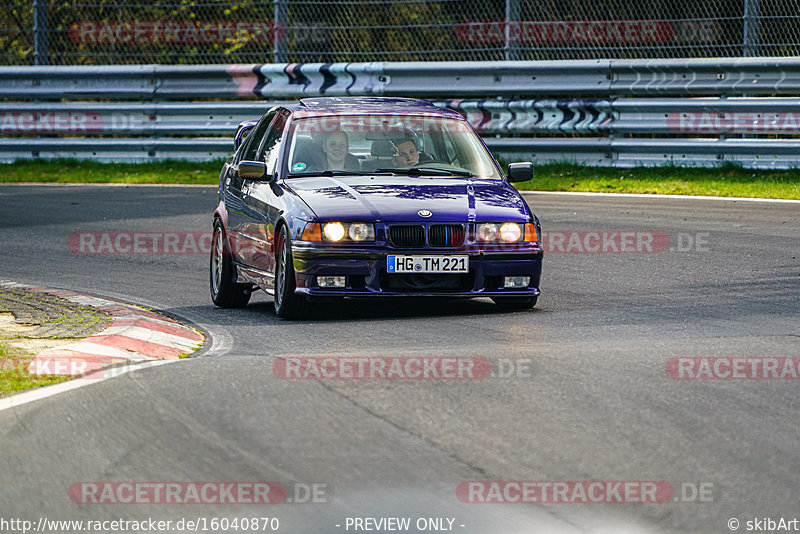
x,y
659,195
18,399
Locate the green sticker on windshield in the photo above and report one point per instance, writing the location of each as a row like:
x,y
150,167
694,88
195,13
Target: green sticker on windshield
x,y
299,167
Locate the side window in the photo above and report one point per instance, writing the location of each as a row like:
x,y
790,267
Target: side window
x,y
269,152
255,138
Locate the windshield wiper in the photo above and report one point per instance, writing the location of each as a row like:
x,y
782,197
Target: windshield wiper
x,y
329,172
332,172
426,171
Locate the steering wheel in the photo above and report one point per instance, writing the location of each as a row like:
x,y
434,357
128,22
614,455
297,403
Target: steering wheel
x,y
430,162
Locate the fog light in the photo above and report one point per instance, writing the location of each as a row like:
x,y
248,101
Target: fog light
x,y
330,281
516,282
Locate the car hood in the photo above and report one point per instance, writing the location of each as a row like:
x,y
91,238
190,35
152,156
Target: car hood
x,y
400,198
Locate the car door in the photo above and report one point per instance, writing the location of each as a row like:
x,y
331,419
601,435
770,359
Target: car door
x,y
234,197
261,201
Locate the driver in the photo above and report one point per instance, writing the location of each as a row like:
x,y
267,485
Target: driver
x,y
407,153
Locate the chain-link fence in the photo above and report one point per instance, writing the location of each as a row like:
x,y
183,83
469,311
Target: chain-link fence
x,y
248,31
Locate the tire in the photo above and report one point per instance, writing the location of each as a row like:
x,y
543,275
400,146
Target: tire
x,y
225,293
515,303
288,305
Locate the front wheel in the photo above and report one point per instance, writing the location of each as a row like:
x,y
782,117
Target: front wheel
x,y
225,293
516,303
288,305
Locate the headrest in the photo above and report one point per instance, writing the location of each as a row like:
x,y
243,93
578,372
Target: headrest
x,y
381,148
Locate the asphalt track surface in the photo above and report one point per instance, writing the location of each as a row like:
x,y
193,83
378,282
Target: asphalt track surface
x,y
595,404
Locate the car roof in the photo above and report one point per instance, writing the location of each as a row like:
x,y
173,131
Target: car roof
x,y
360,105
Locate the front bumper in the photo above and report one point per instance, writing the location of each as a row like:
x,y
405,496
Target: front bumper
x,y
366,276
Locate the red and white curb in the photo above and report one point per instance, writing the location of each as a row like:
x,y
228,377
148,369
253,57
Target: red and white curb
x,y
135,335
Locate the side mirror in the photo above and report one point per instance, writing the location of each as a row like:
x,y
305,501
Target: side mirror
x,y
520,172
253,170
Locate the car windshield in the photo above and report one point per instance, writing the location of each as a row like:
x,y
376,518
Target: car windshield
x,y
410,145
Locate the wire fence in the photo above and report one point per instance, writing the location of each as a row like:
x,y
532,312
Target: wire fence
x,y
102,32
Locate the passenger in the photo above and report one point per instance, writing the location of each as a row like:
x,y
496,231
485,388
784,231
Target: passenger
x,y
335,146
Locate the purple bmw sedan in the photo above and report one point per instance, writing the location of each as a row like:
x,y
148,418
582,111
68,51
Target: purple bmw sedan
x,y
370,197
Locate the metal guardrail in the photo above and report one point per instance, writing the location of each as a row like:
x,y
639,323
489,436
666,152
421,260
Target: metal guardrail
x,y
648,116
127,118
121,82
684,116
620,100
663,77
597,151
116,149
627,153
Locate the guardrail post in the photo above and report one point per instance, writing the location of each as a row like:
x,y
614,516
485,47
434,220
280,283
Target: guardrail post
x,y
512,19
280,33
752,27
40,30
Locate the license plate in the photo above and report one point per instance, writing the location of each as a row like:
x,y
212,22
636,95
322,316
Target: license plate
x,y
427,264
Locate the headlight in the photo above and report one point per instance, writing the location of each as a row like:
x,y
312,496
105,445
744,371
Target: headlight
x,y
498,232
486,232
333,231
361,232
510,232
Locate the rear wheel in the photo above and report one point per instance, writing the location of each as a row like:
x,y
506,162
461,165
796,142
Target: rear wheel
x,y
225,292
288,305
515,303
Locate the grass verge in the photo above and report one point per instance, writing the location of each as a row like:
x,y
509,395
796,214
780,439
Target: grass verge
x,y
72,171
727,181
14,375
